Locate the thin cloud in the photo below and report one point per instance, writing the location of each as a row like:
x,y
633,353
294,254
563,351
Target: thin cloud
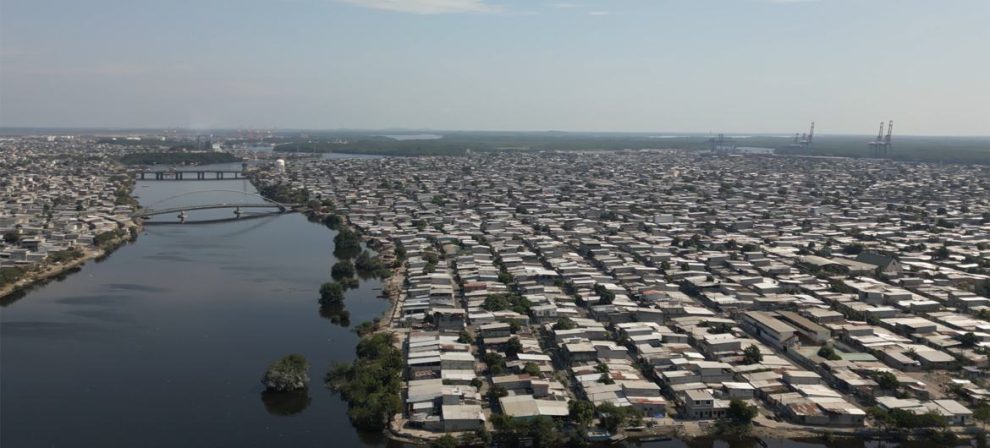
x,y
600,13
428,6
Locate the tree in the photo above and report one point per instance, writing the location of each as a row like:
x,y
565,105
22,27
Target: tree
x,y
564,323
495,363
941,253
465,338
614,417
720,328
828,353
581,412
532,369
740,412
513,347
287,374
886,381
606,296
968,340
342,269
982,288
606,379
331,293
372,383
982,413
752,355
852,249
11,237
500,302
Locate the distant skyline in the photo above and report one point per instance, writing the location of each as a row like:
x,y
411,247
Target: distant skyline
x,y
733,66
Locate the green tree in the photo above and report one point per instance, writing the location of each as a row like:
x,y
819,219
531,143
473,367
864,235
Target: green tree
x,y
513,347
982,413
968,340
342,269
11,237
582,412
740,412
531,369
886,380
982,288
828,353
464,337
495,363
752,355
613,417
287,374
564,323
720,328
331,293
371,384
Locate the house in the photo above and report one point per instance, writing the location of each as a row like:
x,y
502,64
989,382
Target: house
x,y
700,404
462,417
770,329
886,264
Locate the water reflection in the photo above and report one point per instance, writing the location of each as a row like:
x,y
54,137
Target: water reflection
x,y
286,403
337,314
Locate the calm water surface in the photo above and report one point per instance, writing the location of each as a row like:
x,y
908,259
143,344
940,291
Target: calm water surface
x,y
164,342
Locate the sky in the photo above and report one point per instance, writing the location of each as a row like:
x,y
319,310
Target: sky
x,y
758,66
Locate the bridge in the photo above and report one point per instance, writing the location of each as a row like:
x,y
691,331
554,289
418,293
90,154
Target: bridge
x,y
181,211
190,175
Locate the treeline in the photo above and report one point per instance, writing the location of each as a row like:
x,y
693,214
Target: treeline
x,y
382,146
283,193
11,274
177,158
372,383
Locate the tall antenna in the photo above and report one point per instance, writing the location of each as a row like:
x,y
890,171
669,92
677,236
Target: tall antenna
x,y
811,134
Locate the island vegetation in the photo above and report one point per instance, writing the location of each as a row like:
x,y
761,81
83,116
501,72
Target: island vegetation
x,y
290,373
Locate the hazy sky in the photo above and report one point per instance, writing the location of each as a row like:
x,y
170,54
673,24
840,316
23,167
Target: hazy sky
x,y
595,65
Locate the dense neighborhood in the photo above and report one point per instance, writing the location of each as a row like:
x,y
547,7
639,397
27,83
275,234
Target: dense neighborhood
x,y
674,289
620,294
62,201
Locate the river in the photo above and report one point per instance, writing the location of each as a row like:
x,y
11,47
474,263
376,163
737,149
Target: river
x,y
164,342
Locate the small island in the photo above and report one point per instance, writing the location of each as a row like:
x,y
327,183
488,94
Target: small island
x,y
291,373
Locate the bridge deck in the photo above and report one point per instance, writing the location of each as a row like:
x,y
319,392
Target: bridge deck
x,y
164,211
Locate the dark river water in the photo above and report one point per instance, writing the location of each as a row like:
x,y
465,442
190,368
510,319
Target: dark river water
x,y
164,342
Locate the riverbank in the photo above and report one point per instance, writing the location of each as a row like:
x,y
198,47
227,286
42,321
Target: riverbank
x,y
41,275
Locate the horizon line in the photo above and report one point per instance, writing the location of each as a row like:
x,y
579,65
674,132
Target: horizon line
x,y
435,130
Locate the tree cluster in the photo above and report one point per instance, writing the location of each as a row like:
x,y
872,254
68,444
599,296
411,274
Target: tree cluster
x,y
501,302
372,383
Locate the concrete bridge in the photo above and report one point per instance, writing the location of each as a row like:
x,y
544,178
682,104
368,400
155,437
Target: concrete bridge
x,y
258,202
149,212
190,175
